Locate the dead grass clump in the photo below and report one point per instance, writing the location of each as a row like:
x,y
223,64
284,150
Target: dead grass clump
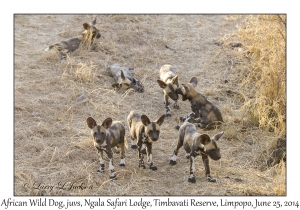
x,y
81,72
265,37
51,56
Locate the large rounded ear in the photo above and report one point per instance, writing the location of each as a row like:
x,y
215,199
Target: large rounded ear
x,y
160,120
161,84
145,120
85,26
116,86
175,79
186,88
94,22
194,81
107,122
217,136
91,122
122,75
204,139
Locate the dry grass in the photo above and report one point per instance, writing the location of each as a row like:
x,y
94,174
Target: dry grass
x,y
53,99
267,72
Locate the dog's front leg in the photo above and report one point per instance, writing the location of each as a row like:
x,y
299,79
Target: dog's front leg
x,y
101,169
111,164
149,155
141,155
207,169
190,118
167,103
176,106
192,169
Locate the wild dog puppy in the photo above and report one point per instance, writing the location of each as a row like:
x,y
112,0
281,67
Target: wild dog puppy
x,y
169,83
86,38
196,144
145,133
106,136
204,113
123,78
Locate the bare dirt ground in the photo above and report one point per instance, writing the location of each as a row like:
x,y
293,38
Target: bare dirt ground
x,y
52,143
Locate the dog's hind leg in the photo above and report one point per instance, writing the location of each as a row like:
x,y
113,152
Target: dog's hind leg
x,y
179,145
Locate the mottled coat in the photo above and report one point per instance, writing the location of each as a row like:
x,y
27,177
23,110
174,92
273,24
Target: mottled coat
x,y
204,113
196,144
86,38
123,78
169,83
107,136
143,133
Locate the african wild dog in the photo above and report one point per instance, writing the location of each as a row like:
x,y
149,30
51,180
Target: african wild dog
x,y
145,133
204,113
86,38
107,136
123,78
169,83
196,144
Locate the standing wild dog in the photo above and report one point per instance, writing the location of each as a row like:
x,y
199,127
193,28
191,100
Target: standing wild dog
x,y
145,133
123,78
169,83
196,144
207,113
107,136
86,38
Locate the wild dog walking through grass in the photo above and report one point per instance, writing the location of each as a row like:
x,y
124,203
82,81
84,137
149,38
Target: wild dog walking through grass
x,y
86,39
204,113
145,132
196,144
123,78
169,83
107,136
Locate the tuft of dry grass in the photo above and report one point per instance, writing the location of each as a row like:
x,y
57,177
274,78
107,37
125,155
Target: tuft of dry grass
x,y
265,39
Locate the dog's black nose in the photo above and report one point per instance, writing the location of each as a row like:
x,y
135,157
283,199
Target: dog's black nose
x,y
154,139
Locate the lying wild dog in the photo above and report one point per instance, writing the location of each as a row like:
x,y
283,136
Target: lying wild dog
x,y
86,38
169,83
145,133
123,78
196,144
107,136
204,113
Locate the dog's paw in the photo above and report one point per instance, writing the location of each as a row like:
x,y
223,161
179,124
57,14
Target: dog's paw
x,y
172,162
142,165
210,179
182,119
176,106
153,167
101,169
112,176
192,179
